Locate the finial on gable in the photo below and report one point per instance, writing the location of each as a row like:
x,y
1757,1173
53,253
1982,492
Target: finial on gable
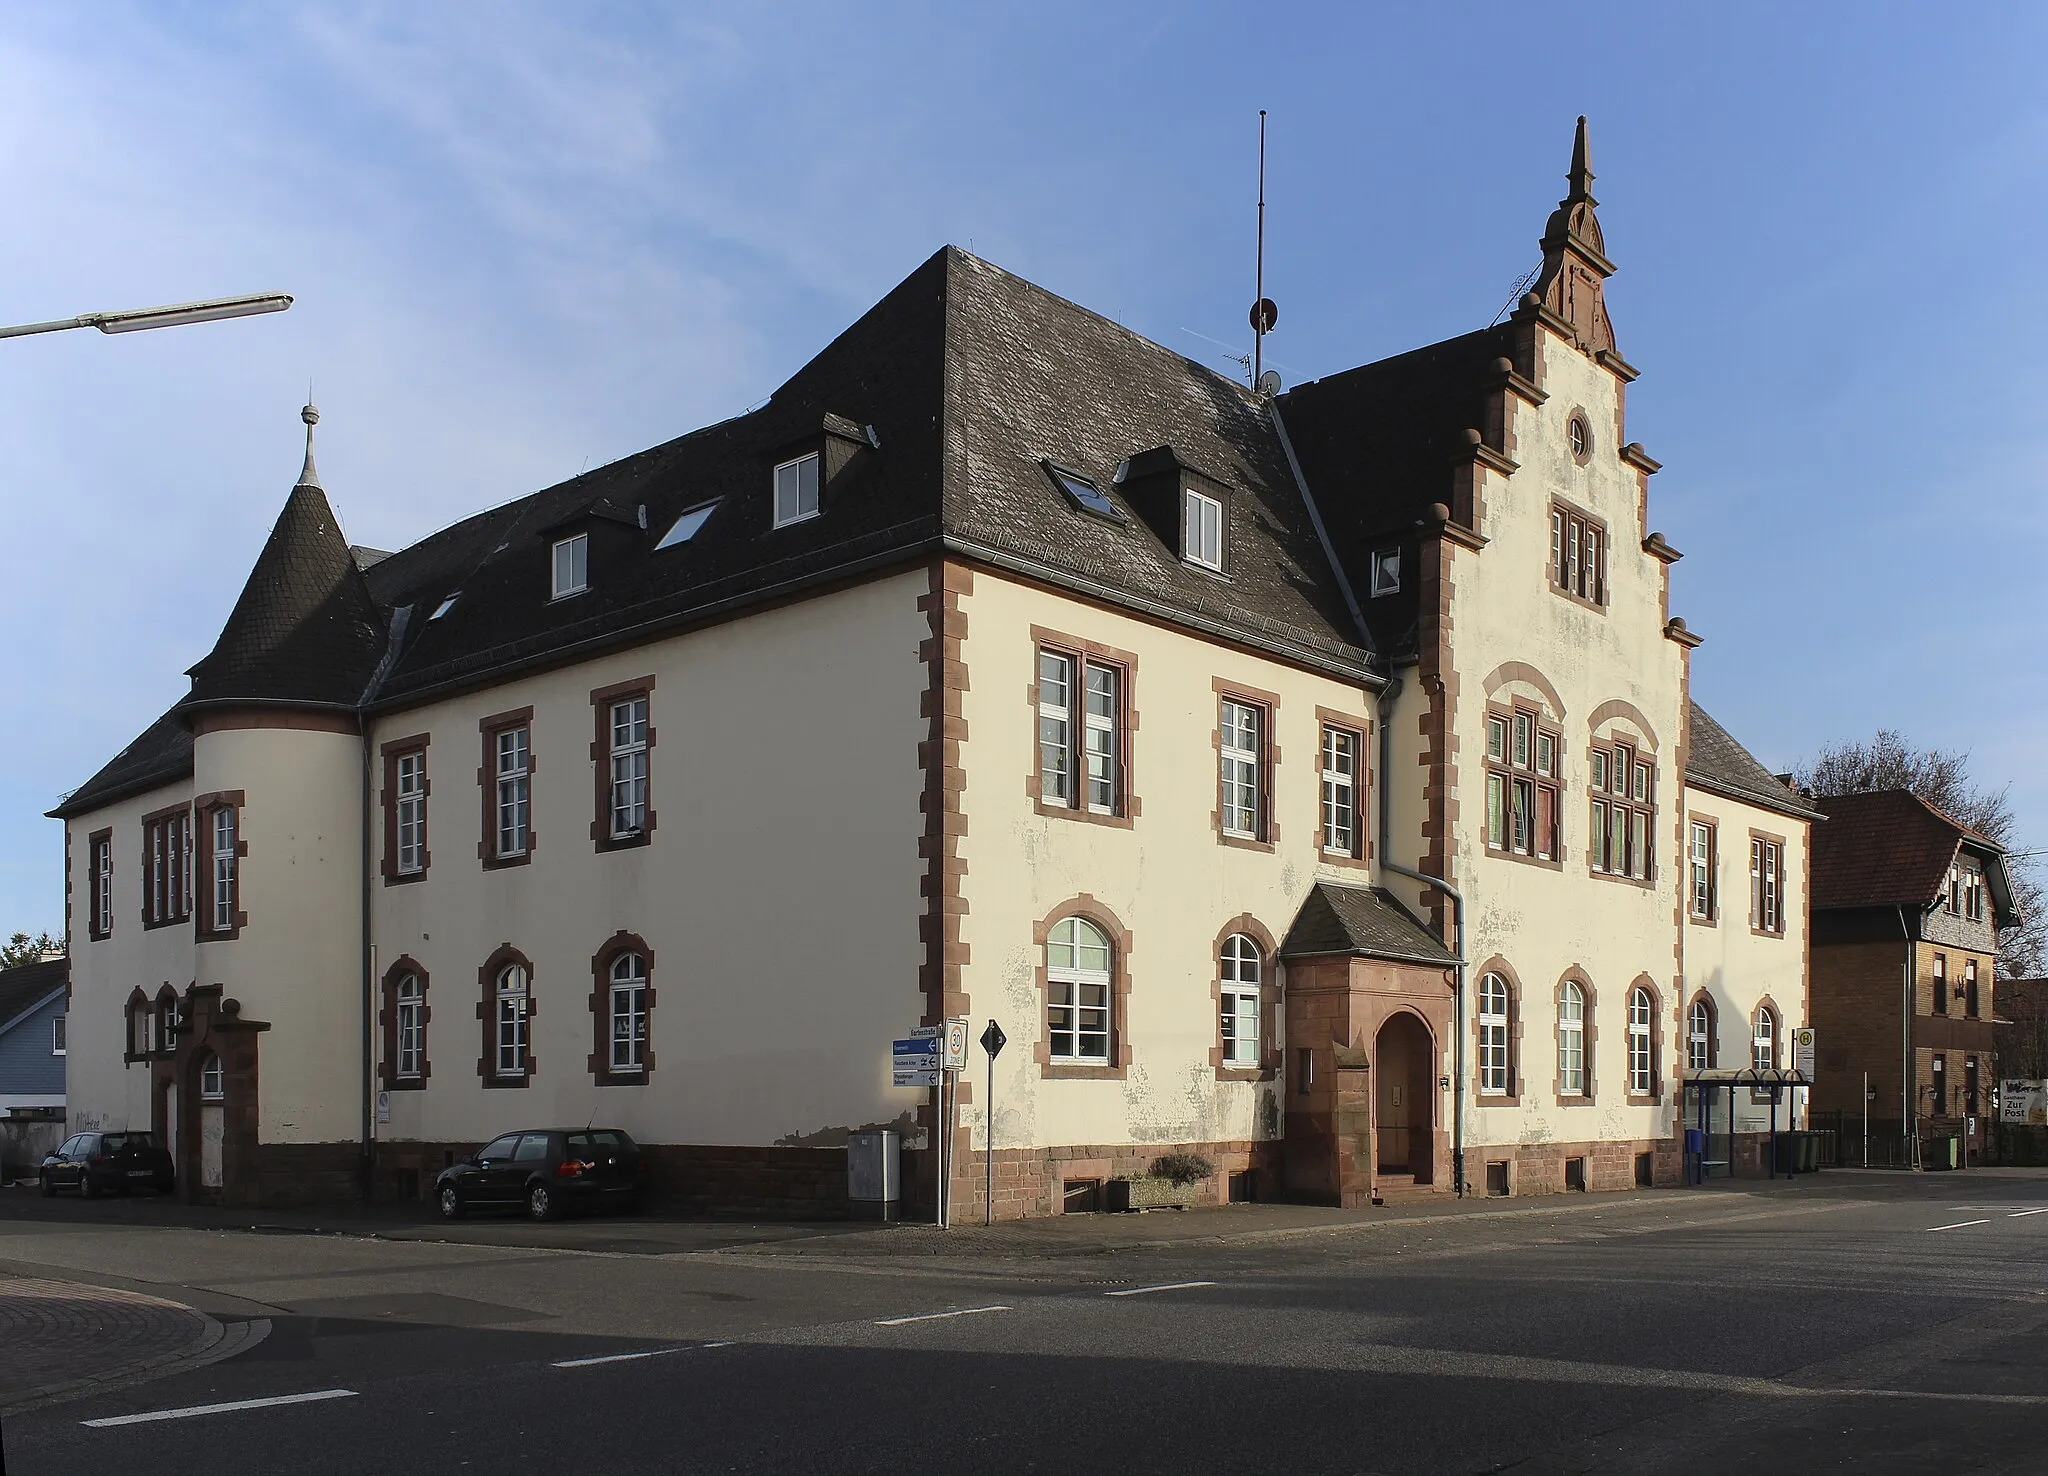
x,y
309,477
1568,289
1581,177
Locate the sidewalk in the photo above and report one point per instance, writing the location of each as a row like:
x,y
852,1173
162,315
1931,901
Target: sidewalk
x,y
64,1339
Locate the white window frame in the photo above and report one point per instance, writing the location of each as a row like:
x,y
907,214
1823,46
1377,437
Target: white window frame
x,y
411,1009
1571,1040
59,1033
409,784
1494,1007
626,1014
1702,847
159,870
1242,1006
1202,529
1763,1043
512,758
575,578
1102,756
1386,571
1766,885
103,885
1078,995
795,502
213,1085
224,824
626,801
1642,1072
1340,776
513,994
1080,745
1056,778
1699,1036
1240,797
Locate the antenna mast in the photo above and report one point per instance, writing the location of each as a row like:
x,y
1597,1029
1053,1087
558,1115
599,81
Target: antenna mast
x,y
1263,315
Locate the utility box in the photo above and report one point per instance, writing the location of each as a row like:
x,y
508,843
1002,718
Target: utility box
x,y
874,1174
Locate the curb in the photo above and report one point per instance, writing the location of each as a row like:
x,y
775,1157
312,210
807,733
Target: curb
x,y
215,1343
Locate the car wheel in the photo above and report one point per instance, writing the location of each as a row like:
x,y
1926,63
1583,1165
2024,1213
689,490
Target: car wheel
x,y
49,1185
87,1189
540,1202
451,1202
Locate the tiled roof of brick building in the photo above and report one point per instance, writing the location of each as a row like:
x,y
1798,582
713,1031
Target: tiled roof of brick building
x,y
1888,848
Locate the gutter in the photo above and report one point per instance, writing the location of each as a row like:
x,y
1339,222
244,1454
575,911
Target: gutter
x,y
1386,703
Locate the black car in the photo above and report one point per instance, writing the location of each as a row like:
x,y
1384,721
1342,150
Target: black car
x,y
109,1163
546,1171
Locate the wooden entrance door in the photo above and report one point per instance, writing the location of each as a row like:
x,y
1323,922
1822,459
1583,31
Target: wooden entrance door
x,y
1403,1069
212,1124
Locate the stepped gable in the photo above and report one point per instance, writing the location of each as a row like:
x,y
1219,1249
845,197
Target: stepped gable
x,y
305,632
1714,760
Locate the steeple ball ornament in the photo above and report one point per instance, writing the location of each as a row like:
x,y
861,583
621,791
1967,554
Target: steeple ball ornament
x,y
1575,260
309,477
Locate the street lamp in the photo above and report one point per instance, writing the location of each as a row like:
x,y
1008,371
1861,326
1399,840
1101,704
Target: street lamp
x,y
137,319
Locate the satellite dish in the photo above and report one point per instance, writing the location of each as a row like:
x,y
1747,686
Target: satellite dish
x,y
1264,315
1269,383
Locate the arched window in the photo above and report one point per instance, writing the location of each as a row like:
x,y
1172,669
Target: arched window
x,y
629,1013
511,1018
412,1028
1764,1040
213,1085
1699,1036
1571,1041
1493,1036
1077,973
1642,1077
1241,964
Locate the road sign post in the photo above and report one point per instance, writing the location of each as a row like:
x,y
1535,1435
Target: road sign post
x,y
992,1042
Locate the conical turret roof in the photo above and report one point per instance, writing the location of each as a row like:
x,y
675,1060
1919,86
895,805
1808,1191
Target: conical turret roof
x,y
305,631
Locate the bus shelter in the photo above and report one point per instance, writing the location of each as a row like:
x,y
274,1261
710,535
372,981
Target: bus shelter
x,y
1711,1095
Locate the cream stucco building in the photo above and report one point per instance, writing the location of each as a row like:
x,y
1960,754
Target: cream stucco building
x,y
1306,780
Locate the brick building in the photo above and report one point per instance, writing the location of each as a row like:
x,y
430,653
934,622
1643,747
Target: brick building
x,y
1907,904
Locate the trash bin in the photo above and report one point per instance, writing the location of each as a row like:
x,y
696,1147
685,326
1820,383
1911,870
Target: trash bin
x,y
1809,1153
1941,1154
874,1174
1786,1159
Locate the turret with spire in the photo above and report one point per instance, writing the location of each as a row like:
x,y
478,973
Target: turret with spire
x,y
1569,285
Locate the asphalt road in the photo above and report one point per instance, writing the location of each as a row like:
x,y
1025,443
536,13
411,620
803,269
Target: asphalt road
x,y
1862,1323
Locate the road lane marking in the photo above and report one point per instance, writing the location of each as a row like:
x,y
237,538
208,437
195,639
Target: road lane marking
x,y
2017,1214
1171,1286
207,1409
935,1316
1958,1225
616,1357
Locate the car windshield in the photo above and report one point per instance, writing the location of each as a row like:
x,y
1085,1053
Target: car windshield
x,y
126,1142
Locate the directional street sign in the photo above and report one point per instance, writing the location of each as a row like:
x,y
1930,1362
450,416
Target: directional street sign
x,y
915,1060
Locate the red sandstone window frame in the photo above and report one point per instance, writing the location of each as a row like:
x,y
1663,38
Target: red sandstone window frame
x,y
487,1066
1264,762
166,866
602,1063
1703,870
206,809
1082,659
99,871
392,1021
1524,790
1579,544
491,776
1621,818
395,754
603,700
1117,1065
1766,884
1359,732
1267,1057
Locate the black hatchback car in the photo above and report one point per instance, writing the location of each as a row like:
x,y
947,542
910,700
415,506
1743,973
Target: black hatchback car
x,y
547,1172
109,1163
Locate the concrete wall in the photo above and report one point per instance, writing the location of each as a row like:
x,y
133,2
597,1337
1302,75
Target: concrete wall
x,y
1594,673
1165,878
778,894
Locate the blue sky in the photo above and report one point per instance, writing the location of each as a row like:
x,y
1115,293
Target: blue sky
x,y
526,239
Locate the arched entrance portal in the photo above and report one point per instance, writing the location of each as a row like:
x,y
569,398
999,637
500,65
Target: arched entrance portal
x,y
1404,1066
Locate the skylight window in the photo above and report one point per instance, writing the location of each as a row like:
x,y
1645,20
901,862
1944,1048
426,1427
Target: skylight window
x,y
1085,494
445,606
685,527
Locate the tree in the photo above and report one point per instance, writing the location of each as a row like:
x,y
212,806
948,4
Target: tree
x,y
22,949
1941,777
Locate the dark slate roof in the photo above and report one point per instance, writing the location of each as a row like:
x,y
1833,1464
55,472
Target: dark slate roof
x,y
1363,920
1377,446
1891,848
1714,760
23,988
162,754
305,631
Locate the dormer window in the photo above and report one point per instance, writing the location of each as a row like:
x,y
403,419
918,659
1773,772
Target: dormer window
x,y
796,490
685,527
1386,572
444,607
572,565
1202,529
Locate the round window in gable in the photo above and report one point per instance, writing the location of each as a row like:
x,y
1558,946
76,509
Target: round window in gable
x,y
1580,435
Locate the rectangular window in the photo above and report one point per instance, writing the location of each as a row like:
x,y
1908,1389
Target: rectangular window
x,y
1340,792
1241,1029
1522,784
1941,1086
629,1022
628,768
1078,1021
410,811
1623,812
1941,984
1703,870
1386,572
796,490
1766,885
1970,1086
57,1035
1578,556
224,870
513,798
511,1033
1080,733
1202,535
158,903
1243,750
101,914
1970,1001
412,1028
571,565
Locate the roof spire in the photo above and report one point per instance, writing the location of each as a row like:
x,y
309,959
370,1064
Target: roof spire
x,y
309,477
1581,176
